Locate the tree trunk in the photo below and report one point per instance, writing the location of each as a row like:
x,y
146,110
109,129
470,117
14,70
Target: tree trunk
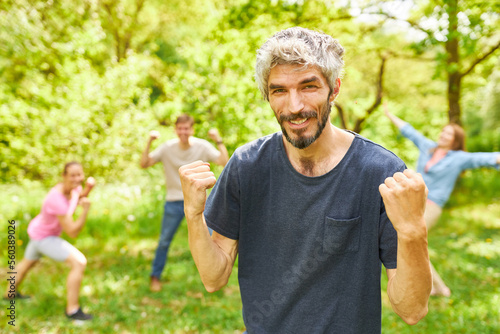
x,y
340,111
454,81
358,126
453,60
378,97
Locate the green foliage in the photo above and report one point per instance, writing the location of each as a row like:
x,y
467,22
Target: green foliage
x,y
86,81
476,25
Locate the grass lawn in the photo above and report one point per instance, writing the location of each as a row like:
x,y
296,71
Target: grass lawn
x,y
119,241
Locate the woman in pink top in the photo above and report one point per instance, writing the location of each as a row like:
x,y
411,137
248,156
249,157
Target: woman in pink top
x,y
45,229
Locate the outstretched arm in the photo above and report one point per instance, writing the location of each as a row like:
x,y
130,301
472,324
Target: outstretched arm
x,y
224,156
394,119
146,160
214,256
410,284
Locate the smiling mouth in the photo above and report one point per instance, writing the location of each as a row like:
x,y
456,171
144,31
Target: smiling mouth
x,y
299,121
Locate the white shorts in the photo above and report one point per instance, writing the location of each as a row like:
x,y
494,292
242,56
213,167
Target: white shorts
x,y
54,247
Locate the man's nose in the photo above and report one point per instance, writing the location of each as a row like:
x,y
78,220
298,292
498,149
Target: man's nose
x,y
295,102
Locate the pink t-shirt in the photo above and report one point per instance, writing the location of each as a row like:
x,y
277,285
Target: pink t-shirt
x,y
47,224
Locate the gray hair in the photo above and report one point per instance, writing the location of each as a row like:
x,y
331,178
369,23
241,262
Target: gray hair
x,y
302,47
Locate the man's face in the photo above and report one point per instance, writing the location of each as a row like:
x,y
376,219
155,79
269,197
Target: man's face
x,y
301,100
184,131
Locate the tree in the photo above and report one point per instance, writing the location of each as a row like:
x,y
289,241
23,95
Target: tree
x,y
86,80
462,34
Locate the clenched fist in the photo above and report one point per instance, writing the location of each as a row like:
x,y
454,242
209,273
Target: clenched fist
x,y
84,202
153,135
196,178
405,196
214,135
90,182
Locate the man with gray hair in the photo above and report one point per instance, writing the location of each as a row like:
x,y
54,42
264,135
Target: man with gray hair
x,y
313,211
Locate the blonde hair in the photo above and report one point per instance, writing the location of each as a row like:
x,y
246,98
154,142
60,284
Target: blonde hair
x,y
299,46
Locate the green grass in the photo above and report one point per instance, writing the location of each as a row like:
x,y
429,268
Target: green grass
x,y
119,241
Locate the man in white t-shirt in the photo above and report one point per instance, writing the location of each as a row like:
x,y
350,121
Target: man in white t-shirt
x,y
173,154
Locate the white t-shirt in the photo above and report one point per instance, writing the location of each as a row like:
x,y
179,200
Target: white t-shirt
x,y
173,157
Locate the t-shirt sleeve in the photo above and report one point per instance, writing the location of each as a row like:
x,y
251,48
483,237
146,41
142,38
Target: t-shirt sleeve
x,y
55,204
157,153
211,153
480,159
388,237
222,211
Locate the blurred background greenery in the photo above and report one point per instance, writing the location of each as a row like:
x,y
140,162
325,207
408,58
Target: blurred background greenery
x,y
87,80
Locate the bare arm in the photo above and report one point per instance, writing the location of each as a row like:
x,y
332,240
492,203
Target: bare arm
x,y
498,159
410,284
214,256
224,156
73,228
89,185
146,160
398,122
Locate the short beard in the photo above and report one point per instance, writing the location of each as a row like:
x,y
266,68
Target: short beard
x,y
304,142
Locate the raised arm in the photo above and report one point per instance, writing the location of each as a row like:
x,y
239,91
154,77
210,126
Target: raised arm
x,y
146,160
214,256
89,185
73,227
224,156
398,122
410,284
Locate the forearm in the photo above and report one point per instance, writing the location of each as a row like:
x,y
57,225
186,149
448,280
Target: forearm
x,y
74,229
410,287
85,192
214,265
145,160
398,122
224,157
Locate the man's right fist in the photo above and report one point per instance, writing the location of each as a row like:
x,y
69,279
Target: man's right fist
x,y
196,178
153,135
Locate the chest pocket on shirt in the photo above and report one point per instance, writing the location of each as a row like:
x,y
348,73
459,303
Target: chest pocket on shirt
x,y
341,235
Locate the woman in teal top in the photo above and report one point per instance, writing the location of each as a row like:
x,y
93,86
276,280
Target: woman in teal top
x,y
440,164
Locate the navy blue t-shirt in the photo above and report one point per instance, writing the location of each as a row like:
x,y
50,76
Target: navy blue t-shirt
x,y
310,248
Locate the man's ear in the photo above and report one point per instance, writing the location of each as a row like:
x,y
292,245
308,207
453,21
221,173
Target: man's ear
x,y
336,90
